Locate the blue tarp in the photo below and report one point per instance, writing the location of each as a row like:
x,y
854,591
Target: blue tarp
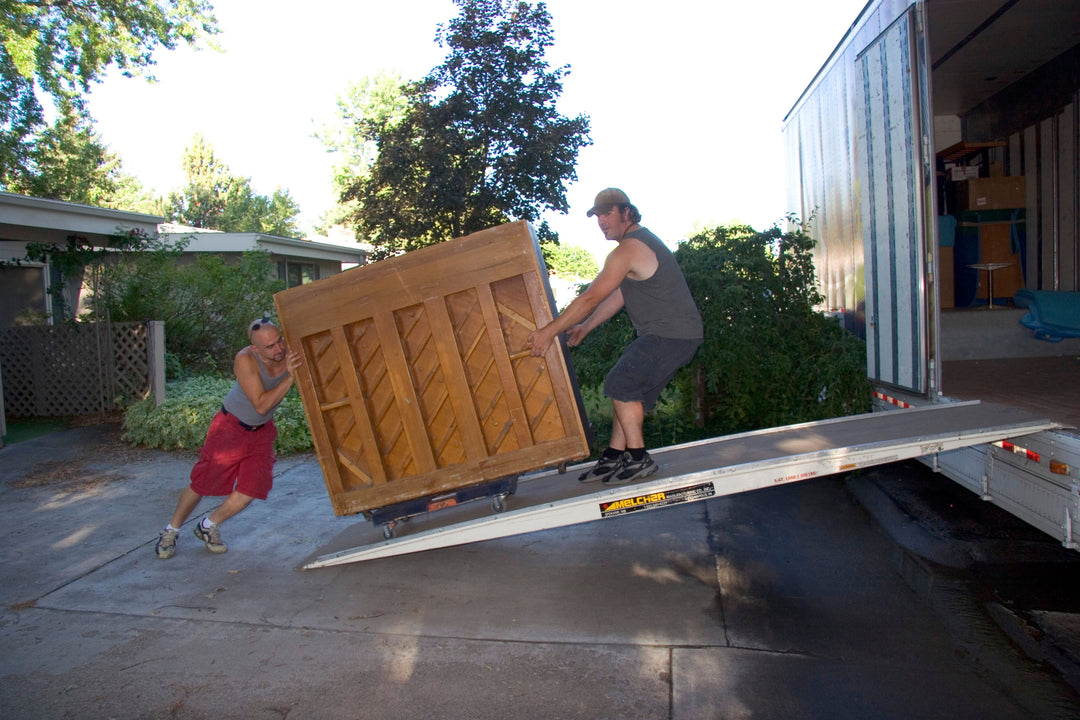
x,y
1052,315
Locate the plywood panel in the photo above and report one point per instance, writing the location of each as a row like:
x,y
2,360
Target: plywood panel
x,y
417,377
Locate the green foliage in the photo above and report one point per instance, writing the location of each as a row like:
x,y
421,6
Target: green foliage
x,y
363,111
570,261
206,305
215,199
181,421
77,253
56,50
72,163
668,423
480,142
768,358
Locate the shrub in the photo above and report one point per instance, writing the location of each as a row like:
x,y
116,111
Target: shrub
x,y
181,421
206,304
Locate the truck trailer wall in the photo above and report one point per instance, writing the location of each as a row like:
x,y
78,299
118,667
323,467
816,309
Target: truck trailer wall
x,y
994,88
822,157
857,144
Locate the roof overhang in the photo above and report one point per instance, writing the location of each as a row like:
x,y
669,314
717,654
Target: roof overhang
x,y
241,242
33,219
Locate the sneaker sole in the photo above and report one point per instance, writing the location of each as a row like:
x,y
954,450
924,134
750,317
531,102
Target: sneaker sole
x,y
640,475
585,478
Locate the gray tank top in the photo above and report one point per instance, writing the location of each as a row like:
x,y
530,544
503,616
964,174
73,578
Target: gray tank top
x,y
238,404
661,305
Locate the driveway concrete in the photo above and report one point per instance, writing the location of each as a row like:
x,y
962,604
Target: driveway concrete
x,y
781,603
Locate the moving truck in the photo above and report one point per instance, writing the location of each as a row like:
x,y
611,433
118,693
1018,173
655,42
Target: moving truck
x,y
935,157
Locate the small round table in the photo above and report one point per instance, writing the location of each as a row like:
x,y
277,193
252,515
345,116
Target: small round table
x,y
990,268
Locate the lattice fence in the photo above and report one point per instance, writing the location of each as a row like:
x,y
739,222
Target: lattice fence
x,y
78,369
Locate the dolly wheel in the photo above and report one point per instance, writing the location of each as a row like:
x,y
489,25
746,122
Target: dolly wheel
x,y
388,530
498,502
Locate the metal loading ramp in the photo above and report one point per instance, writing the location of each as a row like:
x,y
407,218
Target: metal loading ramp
x,y
711,468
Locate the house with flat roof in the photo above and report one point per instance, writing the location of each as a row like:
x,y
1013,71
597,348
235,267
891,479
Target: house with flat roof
x,y
26,287
297,261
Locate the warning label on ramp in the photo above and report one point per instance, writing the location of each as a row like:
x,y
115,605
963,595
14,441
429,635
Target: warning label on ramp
x,y
652,501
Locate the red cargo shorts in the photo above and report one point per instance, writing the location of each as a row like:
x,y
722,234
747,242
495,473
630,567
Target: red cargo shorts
x,y
234,458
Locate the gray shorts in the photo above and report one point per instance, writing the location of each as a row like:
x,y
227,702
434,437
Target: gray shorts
x,y
645,368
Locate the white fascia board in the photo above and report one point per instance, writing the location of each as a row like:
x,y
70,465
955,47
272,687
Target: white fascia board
x,y
30,212
241,242
313,250
216,242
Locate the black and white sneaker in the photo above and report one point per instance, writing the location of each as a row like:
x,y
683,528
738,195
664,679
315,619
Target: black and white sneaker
x,y
604,469
211,536
632,470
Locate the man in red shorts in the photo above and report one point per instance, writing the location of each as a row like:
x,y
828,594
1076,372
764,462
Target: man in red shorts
x,y
237,459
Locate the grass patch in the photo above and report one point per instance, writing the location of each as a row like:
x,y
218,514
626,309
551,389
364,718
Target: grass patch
x,y
29,428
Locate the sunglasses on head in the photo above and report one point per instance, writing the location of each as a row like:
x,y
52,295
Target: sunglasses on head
x,y
260,322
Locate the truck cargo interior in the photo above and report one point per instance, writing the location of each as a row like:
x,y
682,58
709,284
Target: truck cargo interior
x,y
1004,79
934,155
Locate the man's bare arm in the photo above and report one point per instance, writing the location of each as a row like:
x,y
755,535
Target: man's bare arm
x,y
618,264
246,369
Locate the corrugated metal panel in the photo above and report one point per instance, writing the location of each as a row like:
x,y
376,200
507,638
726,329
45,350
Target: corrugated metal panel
x,y
887,131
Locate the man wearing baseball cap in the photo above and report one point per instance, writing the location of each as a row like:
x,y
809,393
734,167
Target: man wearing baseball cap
x,y
642,275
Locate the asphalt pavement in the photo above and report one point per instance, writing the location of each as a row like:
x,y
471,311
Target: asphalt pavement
x,y
888,594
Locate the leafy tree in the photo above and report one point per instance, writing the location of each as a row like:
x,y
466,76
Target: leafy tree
x,y
481,141
363,110
133,196
215,199
72,164
570,261
768,359
57,50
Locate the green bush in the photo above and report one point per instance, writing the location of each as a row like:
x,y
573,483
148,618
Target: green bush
x,y
570,261
206,304
181,421
768,359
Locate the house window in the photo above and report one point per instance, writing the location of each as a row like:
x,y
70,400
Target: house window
x,y
297,273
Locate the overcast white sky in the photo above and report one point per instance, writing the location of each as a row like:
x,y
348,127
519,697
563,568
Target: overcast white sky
x,y
686,98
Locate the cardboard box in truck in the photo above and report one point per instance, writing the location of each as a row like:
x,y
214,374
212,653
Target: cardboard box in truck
x,y
417,378
991,193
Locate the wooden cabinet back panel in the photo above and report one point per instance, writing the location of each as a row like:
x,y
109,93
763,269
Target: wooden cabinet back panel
x,y
417,377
